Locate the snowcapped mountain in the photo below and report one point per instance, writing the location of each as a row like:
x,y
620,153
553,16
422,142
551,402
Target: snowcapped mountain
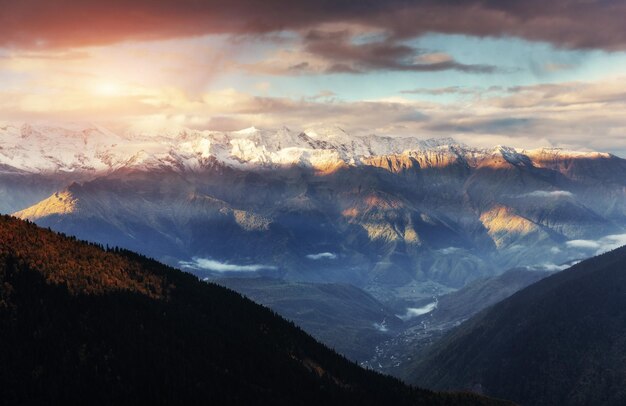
x,y
396,216
96,150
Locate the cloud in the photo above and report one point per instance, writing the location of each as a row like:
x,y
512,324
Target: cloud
x,y
485,125
604,244
550,267
345,55
449,250
222,267
556,67
350,51
263,86
322,255
565,23
548,193
571,115
586,244
382,326
412,312
476,92
440,91
324,94
60,23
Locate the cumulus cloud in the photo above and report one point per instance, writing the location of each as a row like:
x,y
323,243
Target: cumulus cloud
x,y
222,267
322,255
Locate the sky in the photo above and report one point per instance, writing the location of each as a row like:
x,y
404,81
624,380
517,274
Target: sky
x,y
486,72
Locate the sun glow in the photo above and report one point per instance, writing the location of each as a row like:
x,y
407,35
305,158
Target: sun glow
x,y
108,89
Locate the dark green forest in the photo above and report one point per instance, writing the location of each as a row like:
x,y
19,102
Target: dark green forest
x,y
84,323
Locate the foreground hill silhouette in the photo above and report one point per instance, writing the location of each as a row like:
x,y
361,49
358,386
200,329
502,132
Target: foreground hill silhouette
x,y
561,341
82,324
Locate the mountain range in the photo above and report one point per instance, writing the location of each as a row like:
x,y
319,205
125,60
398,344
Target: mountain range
x,y
395,216
404,221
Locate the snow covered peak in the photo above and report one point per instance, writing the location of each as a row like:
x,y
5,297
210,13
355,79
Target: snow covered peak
x,y
247,131
326,133
565,153
93,149
59,149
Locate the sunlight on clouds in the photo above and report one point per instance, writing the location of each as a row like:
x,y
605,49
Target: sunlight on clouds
x,y
560,115
203,83
109,89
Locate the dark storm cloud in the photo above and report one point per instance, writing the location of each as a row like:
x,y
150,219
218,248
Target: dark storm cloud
x,y
65,23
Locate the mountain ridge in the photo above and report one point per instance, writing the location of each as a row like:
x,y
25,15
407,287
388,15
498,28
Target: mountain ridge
x,y
97,150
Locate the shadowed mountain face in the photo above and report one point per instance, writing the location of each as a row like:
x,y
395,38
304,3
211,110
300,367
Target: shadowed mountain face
x,y
427,322
80,324
557,342
341,316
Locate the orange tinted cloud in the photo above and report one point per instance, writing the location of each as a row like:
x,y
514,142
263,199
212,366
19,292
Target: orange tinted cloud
x,y
66,23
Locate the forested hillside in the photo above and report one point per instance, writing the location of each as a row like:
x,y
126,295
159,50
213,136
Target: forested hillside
x,y
560,341
82,324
